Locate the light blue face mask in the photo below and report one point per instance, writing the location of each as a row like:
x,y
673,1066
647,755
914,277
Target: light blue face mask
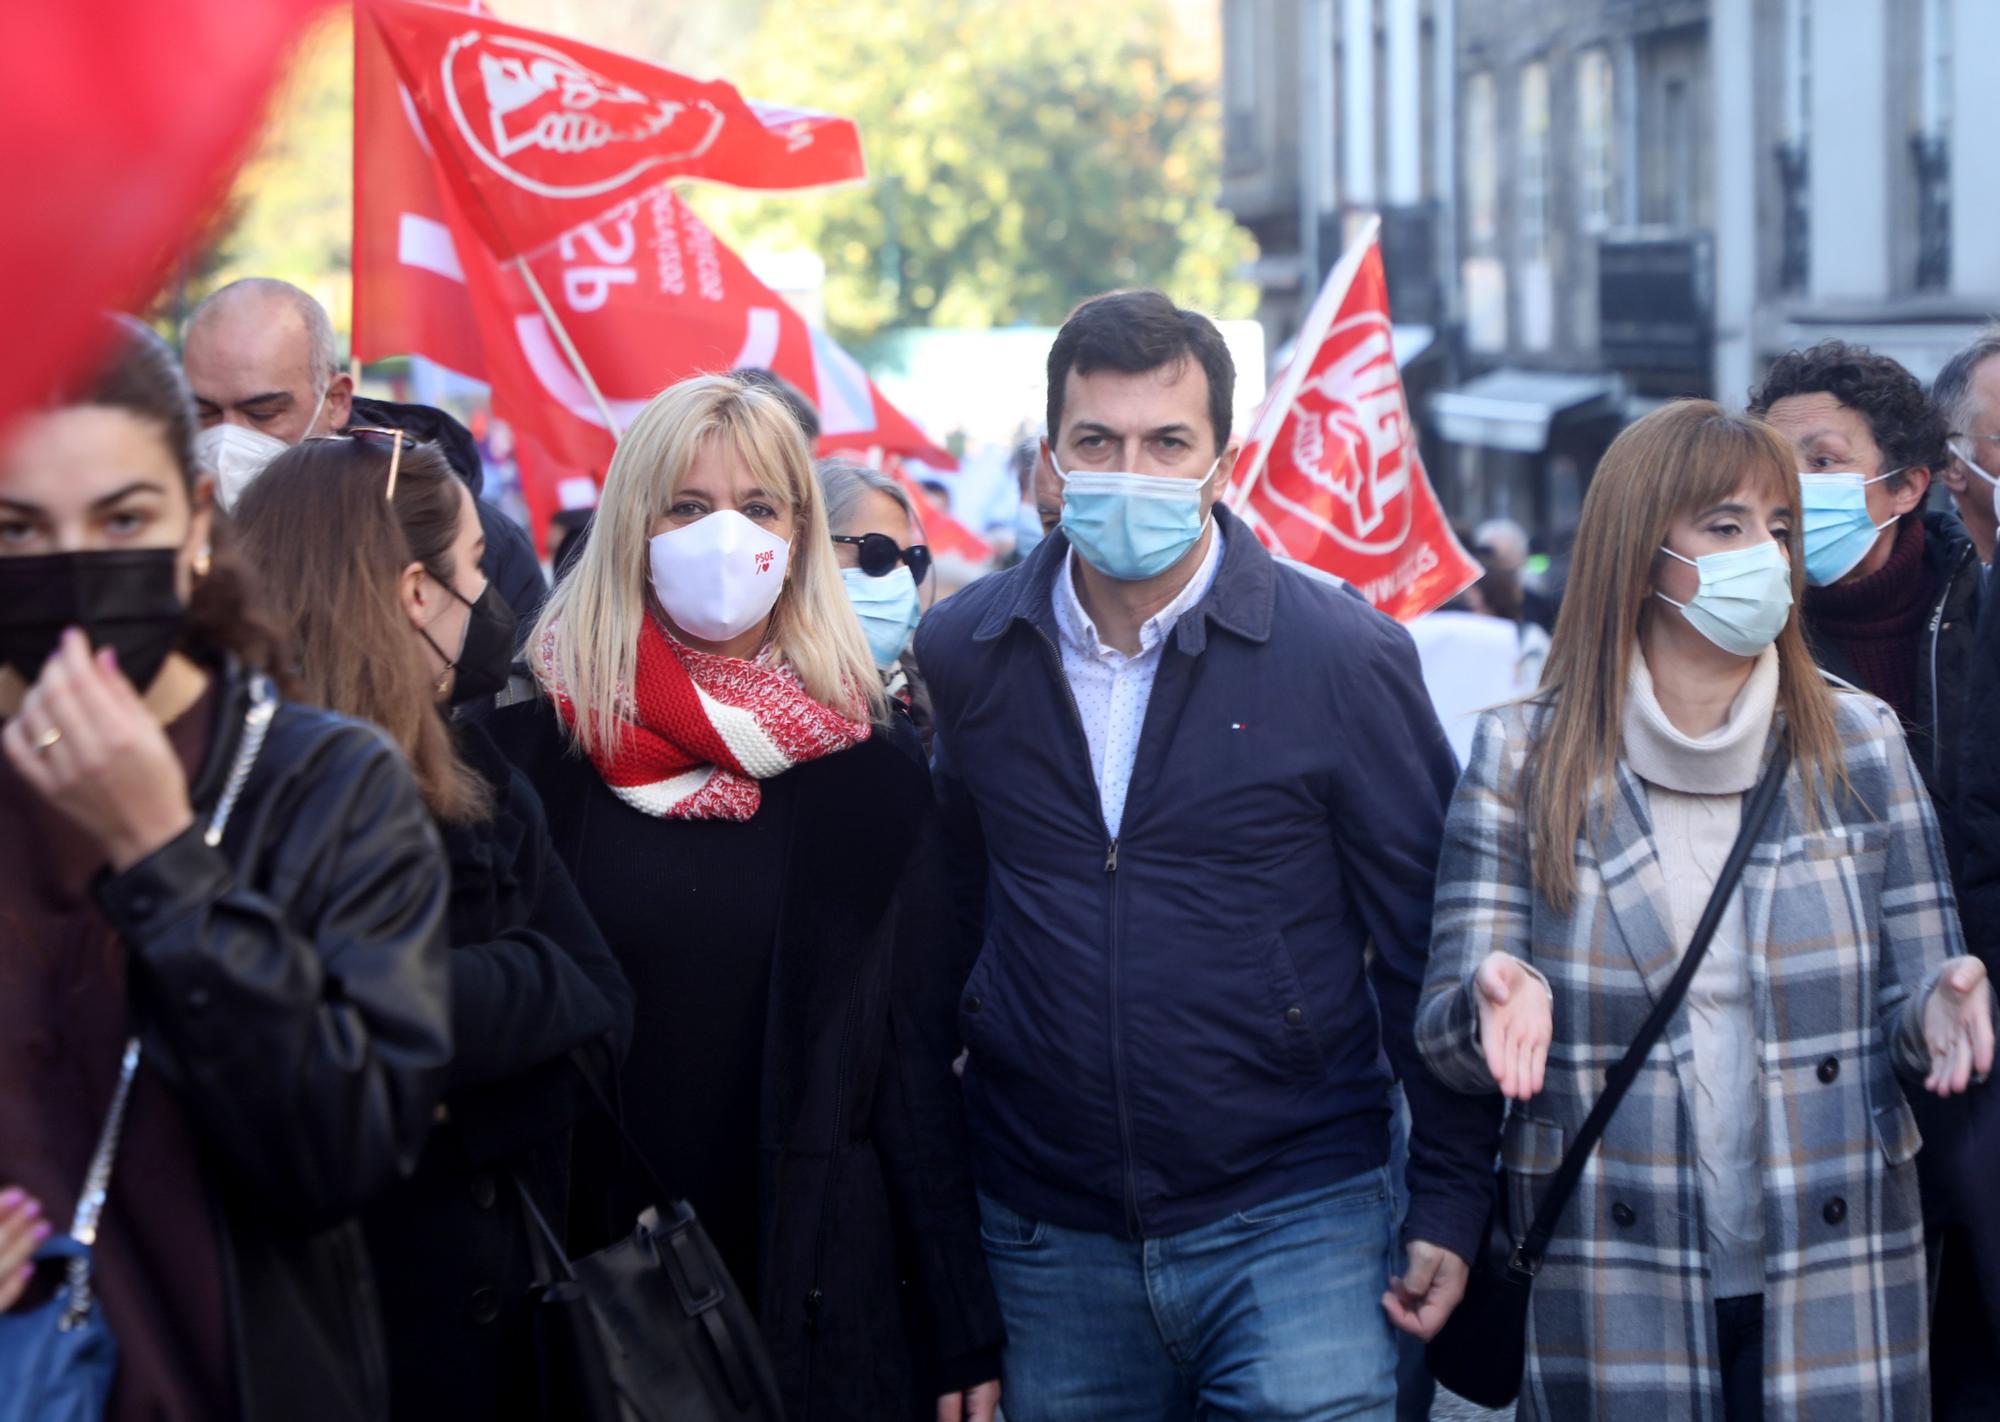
x,y
1745,597
1028,534
888,609
1835,524
1132,526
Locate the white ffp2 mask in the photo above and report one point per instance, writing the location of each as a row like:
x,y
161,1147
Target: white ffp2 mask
x,y
719,576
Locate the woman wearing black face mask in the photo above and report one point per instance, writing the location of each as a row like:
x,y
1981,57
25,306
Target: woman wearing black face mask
x,y
250,886
369,549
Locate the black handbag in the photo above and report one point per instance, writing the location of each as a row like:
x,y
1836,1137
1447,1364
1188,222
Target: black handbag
x,y
651,1329
1482,1350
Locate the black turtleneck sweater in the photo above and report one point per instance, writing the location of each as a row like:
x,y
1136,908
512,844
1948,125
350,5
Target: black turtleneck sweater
x,y
1877,622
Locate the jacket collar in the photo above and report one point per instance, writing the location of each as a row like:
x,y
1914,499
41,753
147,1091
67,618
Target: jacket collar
x,y
1240,601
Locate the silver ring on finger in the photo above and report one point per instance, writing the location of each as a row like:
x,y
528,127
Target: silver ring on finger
x,y
41,744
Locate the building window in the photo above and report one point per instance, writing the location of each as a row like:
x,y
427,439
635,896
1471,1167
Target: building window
x,y
1596,139
1793,151
1931,148
1239,82
1534,184
1482,159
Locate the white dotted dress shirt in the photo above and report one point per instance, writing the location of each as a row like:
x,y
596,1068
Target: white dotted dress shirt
x,y
1111,688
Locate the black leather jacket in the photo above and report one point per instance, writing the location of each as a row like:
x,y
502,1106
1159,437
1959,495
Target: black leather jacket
x,y
291,985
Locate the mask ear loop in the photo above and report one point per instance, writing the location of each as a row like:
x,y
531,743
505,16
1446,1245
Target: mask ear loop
x,y
1691,562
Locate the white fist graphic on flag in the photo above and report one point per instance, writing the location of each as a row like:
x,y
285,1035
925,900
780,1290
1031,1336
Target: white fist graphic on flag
x,y
1351,439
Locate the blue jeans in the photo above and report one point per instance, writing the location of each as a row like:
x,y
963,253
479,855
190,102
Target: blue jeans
x,y
1271,1315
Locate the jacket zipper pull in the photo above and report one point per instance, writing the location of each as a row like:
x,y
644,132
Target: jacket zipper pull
x,y
1111,858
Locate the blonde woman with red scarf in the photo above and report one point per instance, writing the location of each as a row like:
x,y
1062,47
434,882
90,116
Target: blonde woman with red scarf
x,y
750,822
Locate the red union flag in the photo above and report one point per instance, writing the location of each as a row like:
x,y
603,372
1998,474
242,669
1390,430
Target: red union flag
x,y
538,133
1331,475
650,295
647,292
117,156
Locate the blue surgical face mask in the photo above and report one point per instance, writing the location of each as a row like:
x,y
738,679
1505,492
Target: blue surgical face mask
x,y
1132,526
888,609
1835,524
1745,597
1028,534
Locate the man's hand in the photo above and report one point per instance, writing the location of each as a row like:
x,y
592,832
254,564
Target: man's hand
x,y
1421,1301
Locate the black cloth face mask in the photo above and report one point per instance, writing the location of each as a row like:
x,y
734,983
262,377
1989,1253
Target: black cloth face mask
x,y
486,656
127,599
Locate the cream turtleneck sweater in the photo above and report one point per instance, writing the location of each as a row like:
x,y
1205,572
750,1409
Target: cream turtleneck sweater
x,y
1694,791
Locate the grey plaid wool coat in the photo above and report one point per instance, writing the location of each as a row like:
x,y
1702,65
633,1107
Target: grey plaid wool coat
x,y
1849,921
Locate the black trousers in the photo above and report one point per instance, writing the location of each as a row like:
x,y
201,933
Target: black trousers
x,y
1739,1336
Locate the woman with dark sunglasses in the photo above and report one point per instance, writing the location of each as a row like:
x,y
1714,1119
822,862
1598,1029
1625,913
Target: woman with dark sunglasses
x,y
370,550
878,543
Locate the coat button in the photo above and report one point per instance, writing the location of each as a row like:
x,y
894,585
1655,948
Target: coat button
x,y
1295,1015
483,1192
1621,1215
484,1305
974,1003
1835,1211
1828,1070
142,904
197,999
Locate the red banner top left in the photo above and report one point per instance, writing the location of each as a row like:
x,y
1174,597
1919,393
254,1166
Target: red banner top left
x,y
119,154
539,133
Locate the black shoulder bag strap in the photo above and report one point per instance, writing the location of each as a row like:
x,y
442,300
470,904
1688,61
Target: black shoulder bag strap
x,y
695,1283
1527,1256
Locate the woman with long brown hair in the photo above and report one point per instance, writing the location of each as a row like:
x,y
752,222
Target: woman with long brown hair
x,y
369,549
1747,1230
247,888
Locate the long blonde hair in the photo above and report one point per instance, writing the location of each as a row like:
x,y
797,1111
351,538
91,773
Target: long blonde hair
x,y
1682,458
594,616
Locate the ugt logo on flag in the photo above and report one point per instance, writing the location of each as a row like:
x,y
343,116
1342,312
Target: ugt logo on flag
x,y
1331,474
543,121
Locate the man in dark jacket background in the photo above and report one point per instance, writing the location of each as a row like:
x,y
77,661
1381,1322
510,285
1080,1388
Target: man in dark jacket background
x,y
1187,789
259,355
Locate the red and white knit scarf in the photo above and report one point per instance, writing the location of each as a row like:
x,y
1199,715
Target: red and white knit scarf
x,y
702,730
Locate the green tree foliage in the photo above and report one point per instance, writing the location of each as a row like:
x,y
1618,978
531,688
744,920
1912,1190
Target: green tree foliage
x,y
1023,155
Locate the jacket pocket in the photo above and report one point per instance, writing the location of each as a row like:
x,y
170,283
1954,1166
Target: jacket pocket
x,y
1896,1130
976,1005
1530,1151
1532,1146
1287,1012
1854,852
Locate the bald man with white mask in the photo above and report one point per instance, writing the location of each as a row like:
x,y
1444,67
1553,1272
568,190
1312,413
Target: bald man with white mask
x,y
261,360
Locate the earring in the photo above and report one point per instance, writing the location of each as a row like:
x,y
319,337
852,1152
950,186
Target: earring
x,y
202,562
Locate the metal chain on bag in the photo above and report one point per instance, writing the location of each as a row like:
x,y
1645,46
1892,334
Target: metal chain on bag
x,y
97,1183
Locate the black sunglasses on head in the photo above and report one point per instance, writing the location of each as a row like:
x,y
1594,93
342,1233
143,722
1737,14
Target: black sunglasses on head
x,y
880,554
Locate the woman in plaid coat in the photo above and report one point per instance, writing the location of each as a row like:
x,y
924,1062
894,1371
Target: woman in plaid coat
x,y
1746,1238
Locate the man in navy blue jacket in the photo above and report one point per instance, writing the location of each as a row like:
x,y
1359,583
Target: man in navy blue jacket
x,y
1195,798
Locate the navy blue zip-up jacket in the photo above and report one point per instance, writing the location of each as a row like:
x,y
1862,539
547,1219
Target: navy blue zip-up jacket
x,y
1179,1024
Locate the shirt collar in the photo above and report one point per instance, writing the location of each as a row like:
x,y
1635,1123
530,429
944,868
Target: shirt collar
x,y
1081,633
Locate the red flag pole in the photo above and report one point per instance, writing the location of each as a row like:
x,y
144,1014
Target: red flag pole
x,y
569,347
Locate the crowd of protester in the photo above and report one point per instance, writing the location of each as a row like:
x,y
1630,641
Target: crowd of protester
x,y
1109,990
